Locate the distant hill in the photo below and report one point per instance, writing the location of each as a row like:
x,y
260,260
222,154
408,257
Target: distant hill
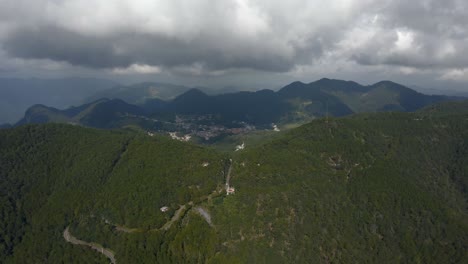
x,y
16,95
5,126
139,93
260,107
381,96
103,113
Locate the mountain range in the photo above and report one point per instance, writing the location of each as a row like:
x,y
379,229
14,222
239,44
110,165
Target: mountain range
x,y
140,93
295,103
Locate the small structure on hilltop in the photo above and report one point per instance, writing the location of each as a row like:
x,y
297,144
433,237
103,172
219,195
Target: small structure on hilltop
x,y
150,134
164,209
230,190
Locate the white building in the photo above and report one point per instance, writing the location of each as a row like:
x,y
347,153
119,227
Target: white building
x,y
230,190
240,147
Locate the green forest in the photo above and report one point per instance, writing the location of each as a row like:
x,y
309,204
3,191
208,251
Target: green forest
x,y
367,188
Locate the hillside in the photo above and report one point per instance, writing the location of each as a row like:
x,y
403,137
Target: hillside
x,y
379,188
370,188
56,175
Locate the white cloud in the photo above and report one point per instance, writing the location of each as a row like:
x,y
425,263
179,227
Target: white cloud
x,y
138,69
456,75
405,40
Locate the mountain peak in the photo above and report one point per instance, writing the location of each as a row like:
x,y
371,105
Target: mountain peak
x,y
394,86
324,80
192,93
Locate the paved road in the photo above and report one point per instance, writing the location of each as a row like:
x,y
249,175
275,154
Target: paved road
x,y
228,177
176,217
75,241
111,256
165,227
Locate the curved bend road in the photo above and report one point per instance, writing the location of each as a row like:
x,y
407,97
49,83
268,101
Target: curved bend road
x,y
75,241
111,256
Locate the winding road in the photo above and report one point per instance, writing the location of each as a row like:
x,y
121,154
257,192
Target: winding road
x,y
75,241
177,215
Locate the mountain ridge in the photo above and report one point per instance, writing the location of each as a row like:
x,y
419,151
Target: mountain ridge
x,y
295,103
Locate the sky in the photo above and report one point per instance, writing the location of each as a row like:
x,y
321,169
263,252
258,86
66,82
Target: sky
x,y
251,43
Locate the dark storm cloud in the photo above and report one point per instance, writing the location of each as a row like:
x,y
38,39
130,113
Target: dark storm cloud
x,y
61,45
218,35
125,49
214,36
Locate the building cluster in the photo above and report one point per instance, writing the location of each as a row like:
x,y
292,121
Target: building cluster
x,y
184,138
207,127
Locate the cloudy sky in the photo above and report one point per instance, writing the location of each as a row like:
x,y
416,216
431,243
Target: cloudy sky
x,y
238,42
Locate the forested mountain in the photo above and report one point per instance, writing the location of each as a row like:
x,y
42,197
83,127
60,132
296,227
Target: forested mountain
x,y
295,103
103,113
369,188
260,107
350,96
53,176
16,95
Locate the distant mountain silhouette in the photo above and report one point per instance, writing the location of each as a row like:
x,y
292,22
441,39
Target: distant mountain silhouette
x,y
296,102
140,92
103,113
17,95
